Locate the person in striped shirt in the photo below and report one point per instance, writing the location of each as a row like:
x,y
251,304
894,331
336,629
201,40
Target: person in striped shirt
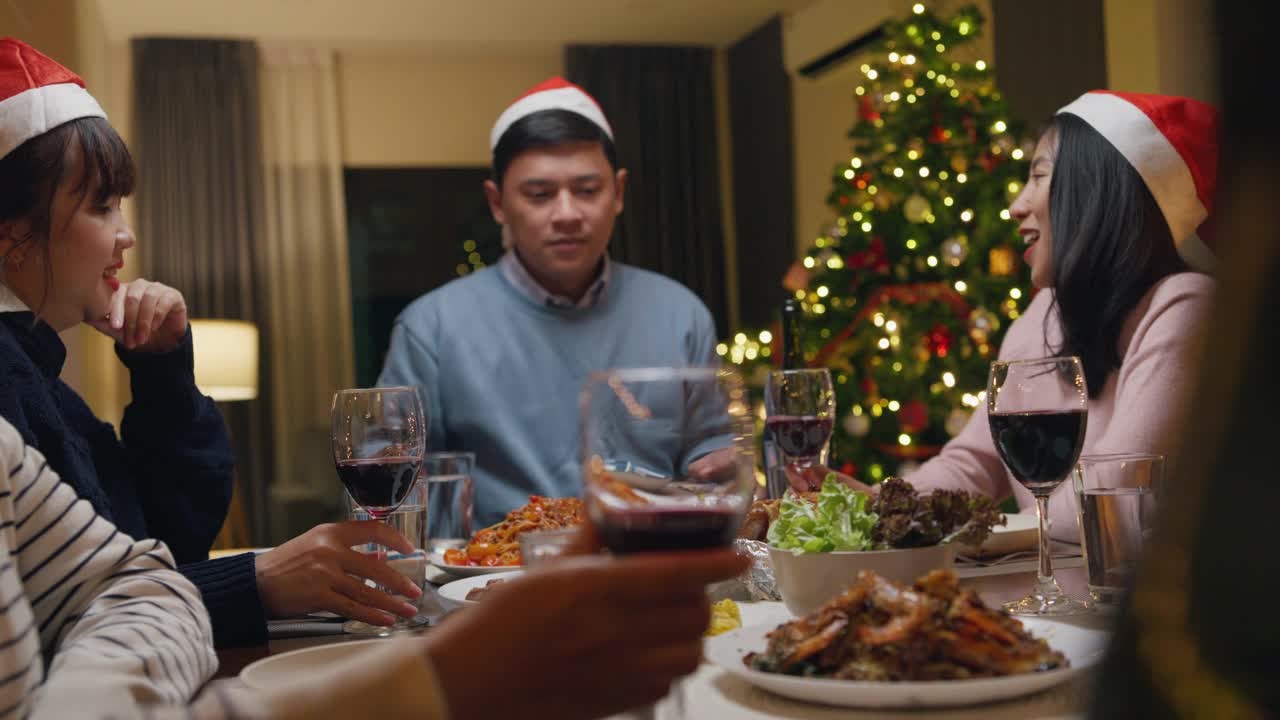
x,y
92,622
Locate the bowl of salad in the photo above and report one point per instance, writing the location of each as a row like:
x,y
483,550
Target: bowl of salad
x,y
819,542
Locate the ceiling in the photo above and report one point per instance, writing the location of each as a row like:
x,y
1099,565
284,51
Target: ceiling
x,y
454,26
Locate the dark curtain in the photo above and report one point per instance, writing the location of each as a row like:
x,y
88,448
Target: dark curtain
x,y
200,209
763,171
661,104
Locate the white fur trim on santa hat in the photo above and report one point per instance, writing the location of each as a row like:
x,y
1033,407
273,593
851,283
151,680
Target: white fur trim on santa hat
x,y
37,111
565,98
1136,137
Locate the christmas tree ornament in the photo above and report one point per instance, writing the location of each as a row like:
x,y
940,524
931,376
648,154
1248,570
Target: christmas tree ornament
x,y
857,425
913,417
982,323
959,162
955,250
939,340
1002,261
916,208
956,420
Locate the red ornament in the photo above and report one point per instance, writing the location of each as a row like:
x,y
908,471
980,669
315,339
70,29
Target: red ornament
x,y
849,469
937,135
868,387
867,110
913,417
989,161
939,340
873,257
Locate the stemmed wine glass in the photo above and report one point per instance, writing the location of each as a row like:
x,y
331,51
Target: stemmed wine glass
x,y
668,460
1038,411
379,439
800,407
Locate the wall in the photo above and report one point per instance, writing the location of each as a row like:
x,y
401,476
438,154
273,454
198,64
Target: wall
x,y
1162,46
415,110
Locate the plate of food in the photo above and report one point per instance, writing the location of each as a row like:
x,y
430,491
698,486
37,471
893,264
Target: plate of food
x,y
496,549
290,668
470,590
880,645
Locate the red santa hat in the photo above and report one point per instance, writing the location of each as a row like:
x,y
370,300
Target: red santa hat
x,y
1173,144
37,94
554,94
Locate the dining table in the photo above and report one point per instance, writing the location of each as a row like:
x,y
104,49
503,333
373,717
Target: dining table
x,y
711,692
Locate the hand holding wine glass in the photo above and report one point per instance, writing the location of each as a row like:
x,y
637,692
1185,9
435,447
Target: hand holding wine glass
x,y
379,439
668,461
1038,412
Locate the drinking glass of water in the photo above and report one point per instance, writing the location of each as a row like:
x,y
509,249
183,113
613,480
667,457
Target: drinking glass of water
x,y
1117,505
410,520
449,498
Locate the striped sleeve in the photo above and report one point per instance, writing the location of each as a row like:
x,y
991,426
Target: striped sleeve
x,y
118,627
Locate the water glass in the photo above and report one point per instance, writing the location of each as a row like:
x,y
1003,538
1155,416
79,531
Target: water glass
x,y
1116,499
410,520
449,497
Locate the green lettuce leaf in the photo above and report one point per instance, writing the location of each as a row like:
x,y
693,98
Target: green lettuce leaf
x,y
839,520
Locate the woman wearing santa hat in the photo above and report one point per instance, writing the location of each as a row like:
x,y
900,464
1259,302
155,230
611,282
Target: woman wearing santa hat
x,y
1121,185
63,239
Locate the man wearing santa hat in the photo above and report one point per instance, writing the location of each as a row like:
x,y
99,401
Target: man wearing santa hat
x,y
501,355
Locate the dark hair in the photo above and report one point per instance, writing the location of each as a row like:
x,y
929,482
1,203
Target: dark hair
x,y
1111,244
548,128
31,174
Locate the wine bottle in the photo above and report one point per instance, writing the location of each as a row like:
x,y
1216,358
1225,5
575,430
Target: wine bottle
x,y
792,359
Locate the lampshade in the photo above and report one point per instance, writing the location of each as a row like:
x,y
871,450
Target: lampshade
x,y
226,355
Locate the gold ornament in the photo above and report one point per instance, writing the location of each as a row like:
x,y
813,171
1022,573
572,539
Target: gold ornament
x,y
959,163
1003,261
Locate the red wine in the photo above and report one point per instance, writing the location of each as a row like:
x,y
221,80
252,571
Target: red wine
x,y
656,529
799,436
380,484
1039,448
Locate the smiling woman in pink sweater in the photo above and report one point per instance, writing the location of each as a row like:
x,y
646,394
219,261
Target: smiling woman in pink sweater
x,y
1119,185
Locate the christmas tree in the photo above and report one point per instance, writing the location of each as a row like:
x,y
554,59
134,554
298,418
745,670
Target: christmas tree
x,y
908,292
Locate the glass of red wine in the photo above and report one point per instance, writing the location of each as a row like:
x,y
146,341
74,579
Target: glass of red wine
x,y
379,439
800,407
1038,411
668,460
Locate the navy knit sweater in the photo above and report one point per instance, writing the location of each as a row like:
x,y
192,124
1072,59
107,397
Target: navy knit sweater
x,y
171,476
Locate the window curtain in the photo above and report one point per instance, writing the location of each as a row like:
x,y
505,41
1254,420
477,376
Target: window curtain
x,y
306,263
200,218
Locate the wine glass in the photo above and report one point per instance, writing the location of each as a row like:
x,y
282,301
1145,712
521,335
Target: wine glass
x,y
379,438
668,460
800,407
1038,411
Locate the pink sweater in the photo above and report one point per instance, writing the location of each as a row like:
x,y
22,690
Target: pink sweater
x,y
1137,410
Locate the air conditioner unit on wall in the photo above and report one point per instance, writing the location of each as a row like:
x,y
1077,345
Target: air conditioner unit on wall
x,y
829,32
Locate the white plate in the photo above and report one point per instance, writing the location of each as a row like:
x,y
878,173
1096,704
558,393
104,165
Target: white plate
x,y
1020,532
291,667
437,558
1082,647
455,593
